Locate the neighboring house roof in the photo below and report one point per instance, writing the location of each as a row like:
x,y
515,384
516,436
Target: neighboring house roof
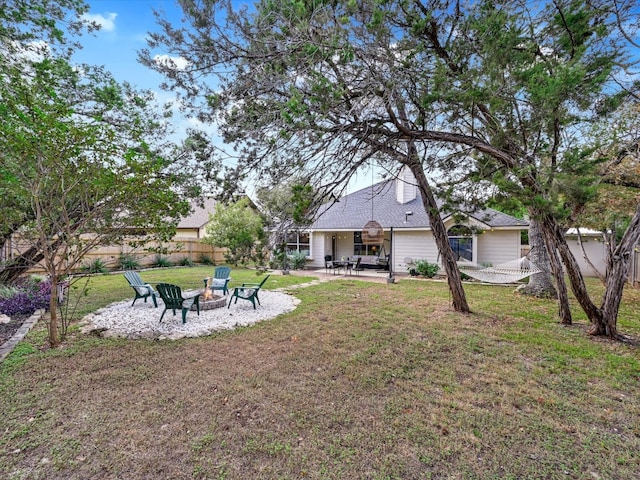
x,y
380,203
584,232
199,216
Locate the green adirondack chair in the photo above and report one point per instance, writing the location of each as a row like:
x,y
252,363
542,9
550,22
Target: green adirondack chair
x,y
174,299
142,289
248,291
220,280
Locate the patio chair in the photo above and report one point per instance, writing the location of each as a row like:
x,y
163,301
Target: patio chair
x,y
142,290
174,299
328,264
248,291
358,266
220,280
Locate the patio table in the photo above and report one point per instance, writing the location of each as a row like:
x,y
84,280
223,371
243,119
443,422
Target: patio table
x,y
346,264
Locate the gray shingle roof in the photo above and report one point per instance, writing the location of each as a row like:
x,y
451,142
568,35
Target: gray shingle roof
x,y
199,216
354,210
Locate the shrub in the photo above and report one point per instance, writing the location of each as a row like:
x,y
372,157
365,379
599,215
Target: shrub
x,y
260,256
274,264
7,291
162,261
128,262
29,295
186,262
95,266
298,260
205,259
426,269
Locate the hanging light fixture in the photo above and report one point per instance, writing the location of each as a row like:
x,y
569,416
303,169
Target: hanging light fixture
x,y
372,232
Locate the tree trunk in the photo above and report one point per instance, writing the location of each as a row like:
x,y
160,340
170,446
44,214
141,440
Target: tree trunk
x,y
20,265
540,284
554,234
564,309
442,240
54,339
617,272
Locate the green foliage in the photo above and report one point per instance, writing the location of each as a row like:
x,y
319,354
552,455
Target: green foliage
x,y
280,259
302,199
426,269
297,260
128,262
86,162
236,227
186,262
7,291
95,266
514,72
161,261
288,204
260,255
53,21
205,259
464,276
618,194
492,95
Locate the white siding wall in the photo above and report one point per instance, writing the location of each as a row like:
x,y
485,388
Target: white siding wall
x,y
318,243
415,245
344,244
496,247
492,247
321,246
595,251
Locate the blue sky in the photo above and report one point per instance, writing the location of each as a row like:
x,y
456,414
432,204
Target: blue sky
x,y
125,24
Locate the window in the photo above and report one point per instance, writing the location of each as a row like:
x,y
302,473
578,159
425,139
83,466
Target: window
x,y
298,242
360,248
461,241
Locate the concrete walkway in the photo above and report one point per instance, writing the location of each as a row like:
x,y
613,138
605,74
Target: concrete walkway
x,y
323,276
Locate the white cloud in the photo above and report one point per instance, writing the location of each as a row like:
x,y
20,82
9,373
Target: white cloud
x,y
175,63
107,22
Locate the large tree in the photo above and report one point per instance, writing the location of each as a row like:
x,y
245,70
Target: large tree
x,y
89,180
502,88
236,227
29,31
310,113
86,161
48,25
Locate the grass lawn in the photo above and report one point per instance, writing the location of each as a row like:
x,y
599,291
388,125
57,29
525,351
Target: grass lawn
x,y
362,380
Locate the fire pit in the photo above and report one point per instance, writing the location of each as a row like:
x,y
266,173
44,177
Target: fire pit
x,y
209,301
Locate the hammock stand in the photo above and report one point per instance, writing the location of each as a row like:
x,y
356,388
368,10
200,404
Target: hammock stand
x,y
509,272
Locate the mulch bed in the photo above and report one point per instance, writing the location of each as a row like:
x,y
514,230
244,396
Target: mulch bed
x,y
7,330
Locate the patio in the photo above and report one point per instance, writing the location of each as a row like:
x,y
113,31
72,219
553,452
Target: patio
x,y
141,321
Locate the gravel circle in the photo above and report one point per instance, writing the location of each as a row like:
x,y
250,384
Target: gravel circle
x,y
141,320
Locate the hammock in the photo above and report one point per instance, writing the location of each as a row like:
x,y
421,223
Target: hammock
x,y
509,272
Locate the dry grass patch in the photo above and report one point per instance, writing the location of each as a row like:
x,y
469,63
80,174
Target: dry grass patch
x,y
363,380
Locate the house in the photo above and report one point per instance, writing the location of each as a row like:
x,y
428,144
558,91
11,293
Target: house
x,y
194,225
483,236
593,246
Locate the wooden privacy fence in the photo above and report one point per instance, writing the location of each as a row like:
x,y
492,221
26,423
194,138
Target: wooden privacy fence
x,y
176,251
